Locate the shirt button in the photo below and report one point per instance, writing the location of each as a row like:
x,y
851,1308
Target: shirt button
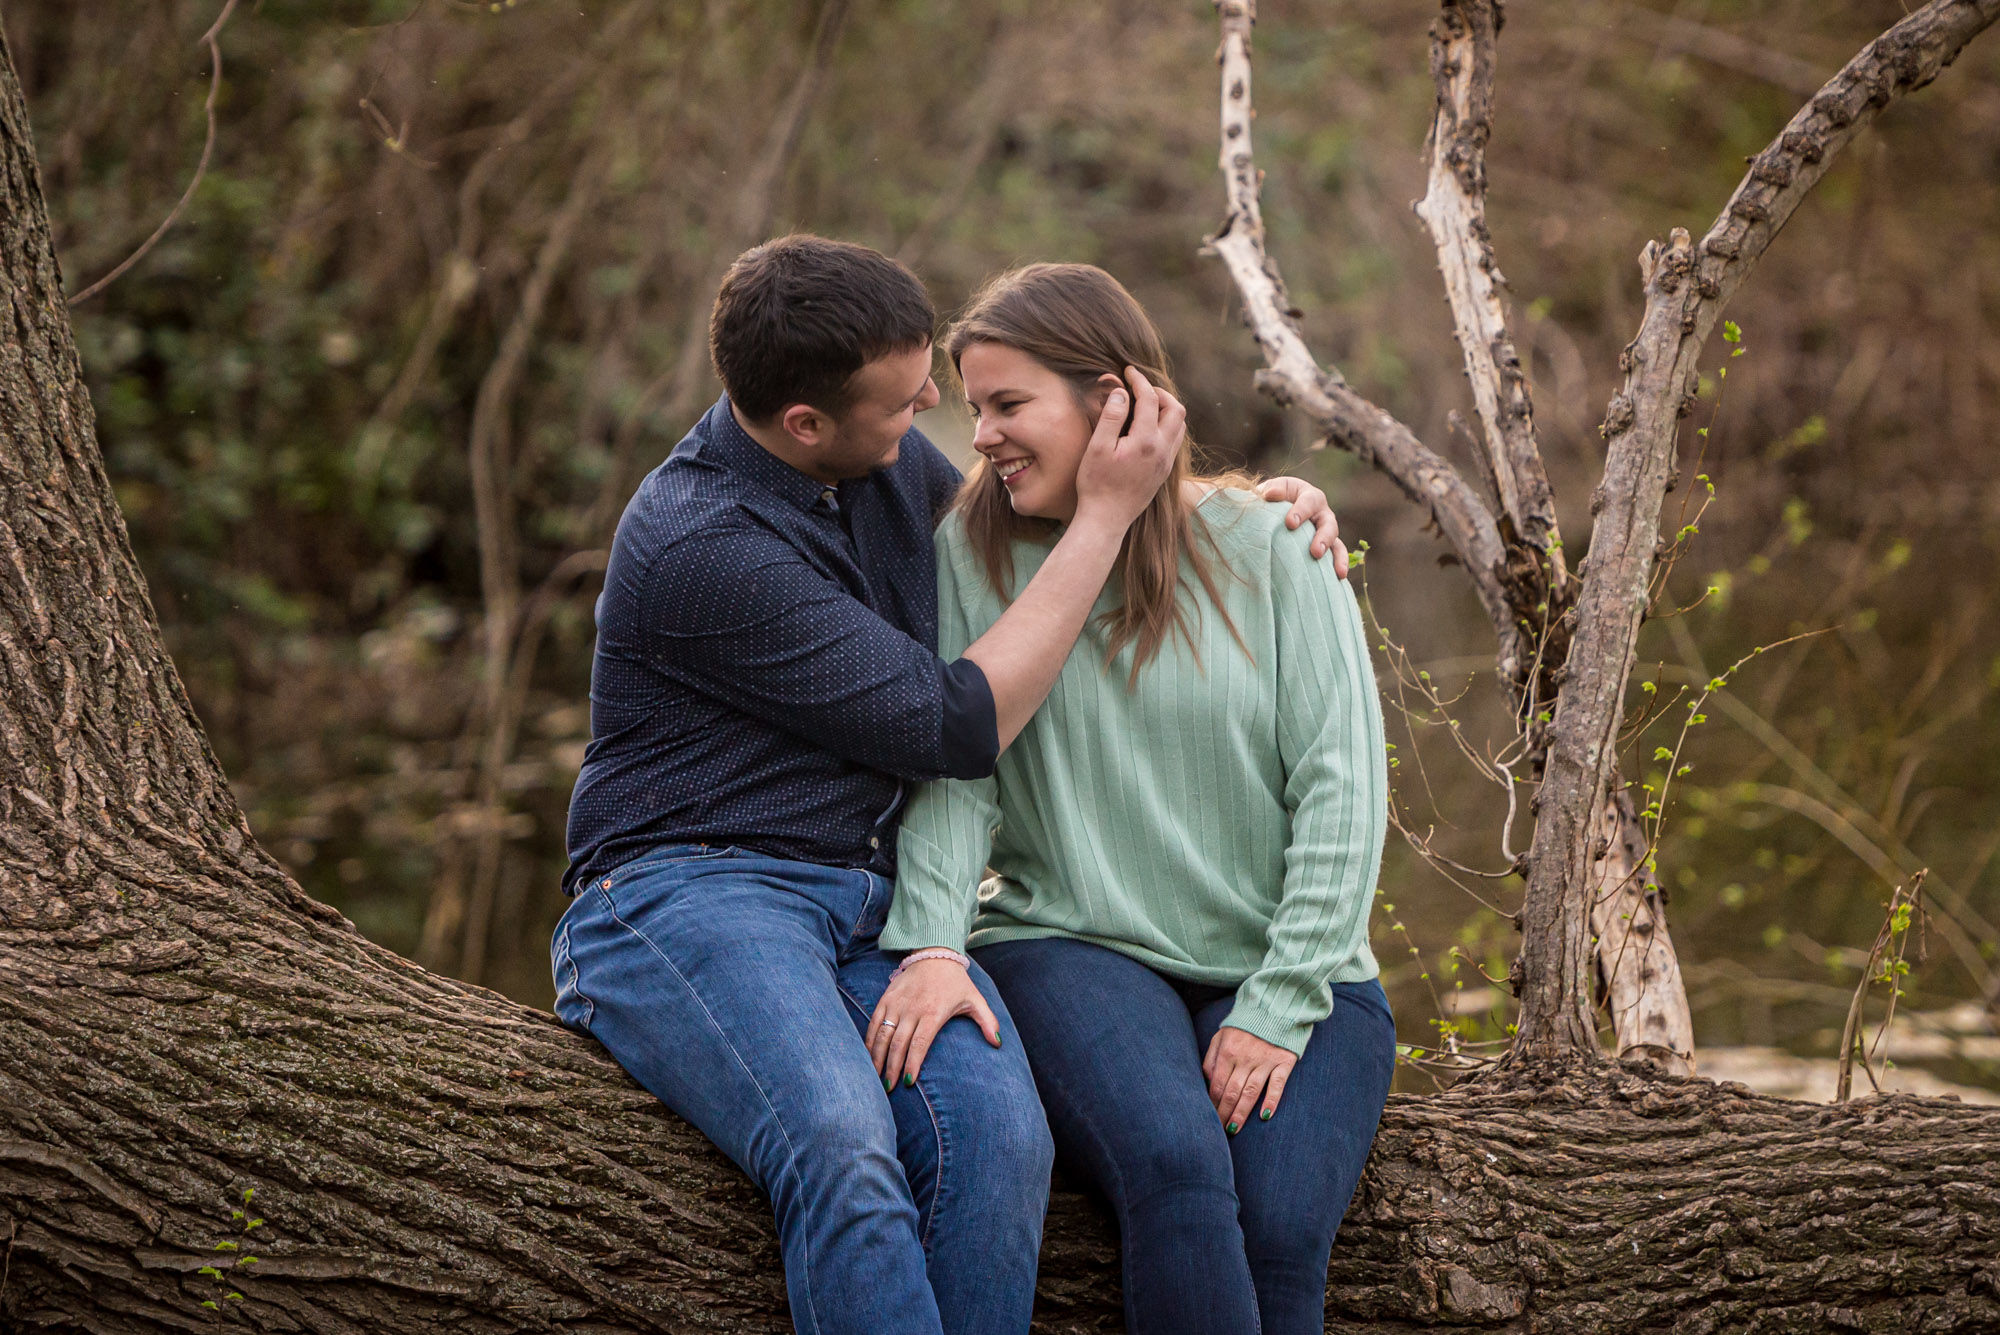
x,y
873,842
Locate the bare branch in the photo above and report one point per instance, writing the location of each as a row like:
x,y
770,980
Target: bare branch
x,y
1635,956
1454,210
212,40
459,275
1240,241
1292,376
1900,61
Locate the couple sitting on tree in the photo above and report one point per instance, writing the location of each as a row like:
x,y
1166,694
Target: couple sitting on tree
x,y
835,684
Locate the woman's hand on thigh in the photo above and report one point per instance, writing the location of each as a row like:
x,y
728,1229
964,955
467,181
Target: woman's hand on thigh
x,y
920,1001
1241,1069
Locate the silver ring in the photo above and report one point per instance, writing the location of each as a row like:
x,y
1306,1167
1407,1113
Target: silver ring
x,y
888,1024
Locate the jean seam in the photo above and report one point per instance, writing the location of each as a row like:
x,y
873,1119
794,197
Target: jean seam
x,y
791,1154
575,977
937,1133
861,915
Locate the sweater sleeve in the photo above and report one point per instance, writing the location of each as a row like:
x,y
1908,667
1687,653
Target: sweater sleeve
x,y
1336,789
948,827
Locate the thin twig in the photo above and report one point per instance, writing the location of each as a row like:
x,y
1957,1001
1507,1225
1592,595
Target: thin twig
x,y
1902,897
212,39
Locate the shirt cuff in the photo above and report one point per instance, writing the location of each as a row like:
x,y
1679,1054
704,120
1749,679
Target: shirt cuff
x,y
971,733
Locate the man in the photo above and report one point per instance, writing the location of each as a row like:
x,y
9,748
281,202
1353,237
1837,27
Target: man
x,y
764,692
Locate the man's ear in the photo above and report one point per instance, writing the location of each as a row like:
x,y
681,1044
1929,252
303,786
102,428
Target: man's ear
x,y
805,424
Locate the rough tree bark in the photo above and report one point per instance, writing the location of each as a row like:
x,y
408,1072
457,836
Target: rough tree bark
x,y
221,1107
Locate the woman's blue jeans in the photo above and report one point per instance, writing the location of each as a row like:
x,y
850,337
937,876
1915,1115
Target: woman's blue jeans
x,y
1223,1234
735,987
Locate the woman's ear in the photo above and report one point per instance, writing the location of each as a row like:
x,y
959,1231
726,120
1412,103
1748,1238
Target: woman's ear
x,y
1102,390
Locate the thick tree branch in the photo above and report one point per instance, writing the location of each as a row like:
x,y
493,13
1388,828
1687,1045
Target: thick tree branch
x,y
1641,973
1634,953
1686,289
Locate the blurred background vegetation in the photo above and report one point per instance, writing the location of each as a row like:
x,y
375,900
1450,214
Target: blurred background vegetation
x,y
374,404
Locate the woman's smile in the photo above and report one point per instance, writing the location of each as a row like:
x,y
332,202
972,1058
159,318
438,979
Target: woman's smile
x,y
1031,427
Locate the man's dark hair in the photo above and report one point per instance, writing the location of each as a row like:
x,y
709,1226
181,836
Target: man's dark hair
x,y
798,316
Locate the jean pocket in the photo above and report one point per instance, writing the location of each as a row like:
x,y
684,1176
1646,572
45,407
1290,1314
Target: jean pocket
x,y
573,1007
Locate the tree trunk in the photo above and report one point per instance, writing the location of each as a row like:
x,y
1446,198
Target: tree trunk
x,y
221,1106
1636,967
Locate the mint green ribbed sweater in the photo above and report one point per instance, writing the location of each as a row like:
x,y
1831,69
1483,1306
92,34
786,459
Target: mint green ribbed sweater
x,y
1222,822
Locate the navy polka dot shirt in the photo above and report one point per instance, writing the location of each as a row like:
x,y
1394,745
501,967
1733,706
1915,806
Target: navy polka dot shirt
x,y
764,674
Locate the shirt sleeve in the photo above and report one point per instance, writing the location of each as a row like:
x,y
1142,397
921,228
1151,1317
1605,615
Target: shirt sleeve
x,y
1336,788
948,827
740,615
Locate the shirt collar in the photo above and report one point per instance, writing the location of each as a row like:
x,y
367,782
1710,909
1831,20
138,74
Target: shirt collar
x,y
731,446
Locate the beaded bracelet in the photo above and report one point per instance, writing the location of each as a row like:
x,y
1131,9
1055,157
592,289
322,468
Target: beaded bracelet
x,y
932,953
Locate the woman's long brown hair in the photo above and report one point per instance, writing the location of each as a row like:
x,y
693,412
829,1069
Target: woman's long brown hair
x,y
1081,323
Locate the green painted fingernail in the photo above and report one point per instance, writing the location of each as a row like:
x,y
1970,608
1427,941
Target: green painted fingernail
x,y
909,1079
888,1083
1232,1128
1264,1116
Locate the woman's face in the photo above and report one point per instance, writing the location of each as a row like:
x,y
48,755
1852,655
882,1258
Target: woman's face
x,y
1030,428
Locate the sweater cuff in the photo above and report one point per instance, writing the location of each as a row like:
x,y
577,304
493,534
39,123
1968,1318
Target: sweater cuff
x,y
938,914
1289,1034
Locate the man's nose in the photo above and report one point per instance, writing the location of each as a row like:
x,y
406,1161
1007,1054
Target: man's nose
x,y
929,398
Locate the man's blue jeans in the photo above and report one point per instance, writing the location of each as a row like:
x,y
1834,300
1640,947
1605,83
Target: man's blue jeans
x,y
736,987
1221,1234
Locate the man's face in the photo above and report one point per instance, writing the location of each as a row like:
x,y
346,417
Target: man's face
x,y
889,392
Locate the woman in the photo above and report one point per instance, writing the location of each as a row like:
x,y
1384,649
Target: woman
x,y
1184,841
